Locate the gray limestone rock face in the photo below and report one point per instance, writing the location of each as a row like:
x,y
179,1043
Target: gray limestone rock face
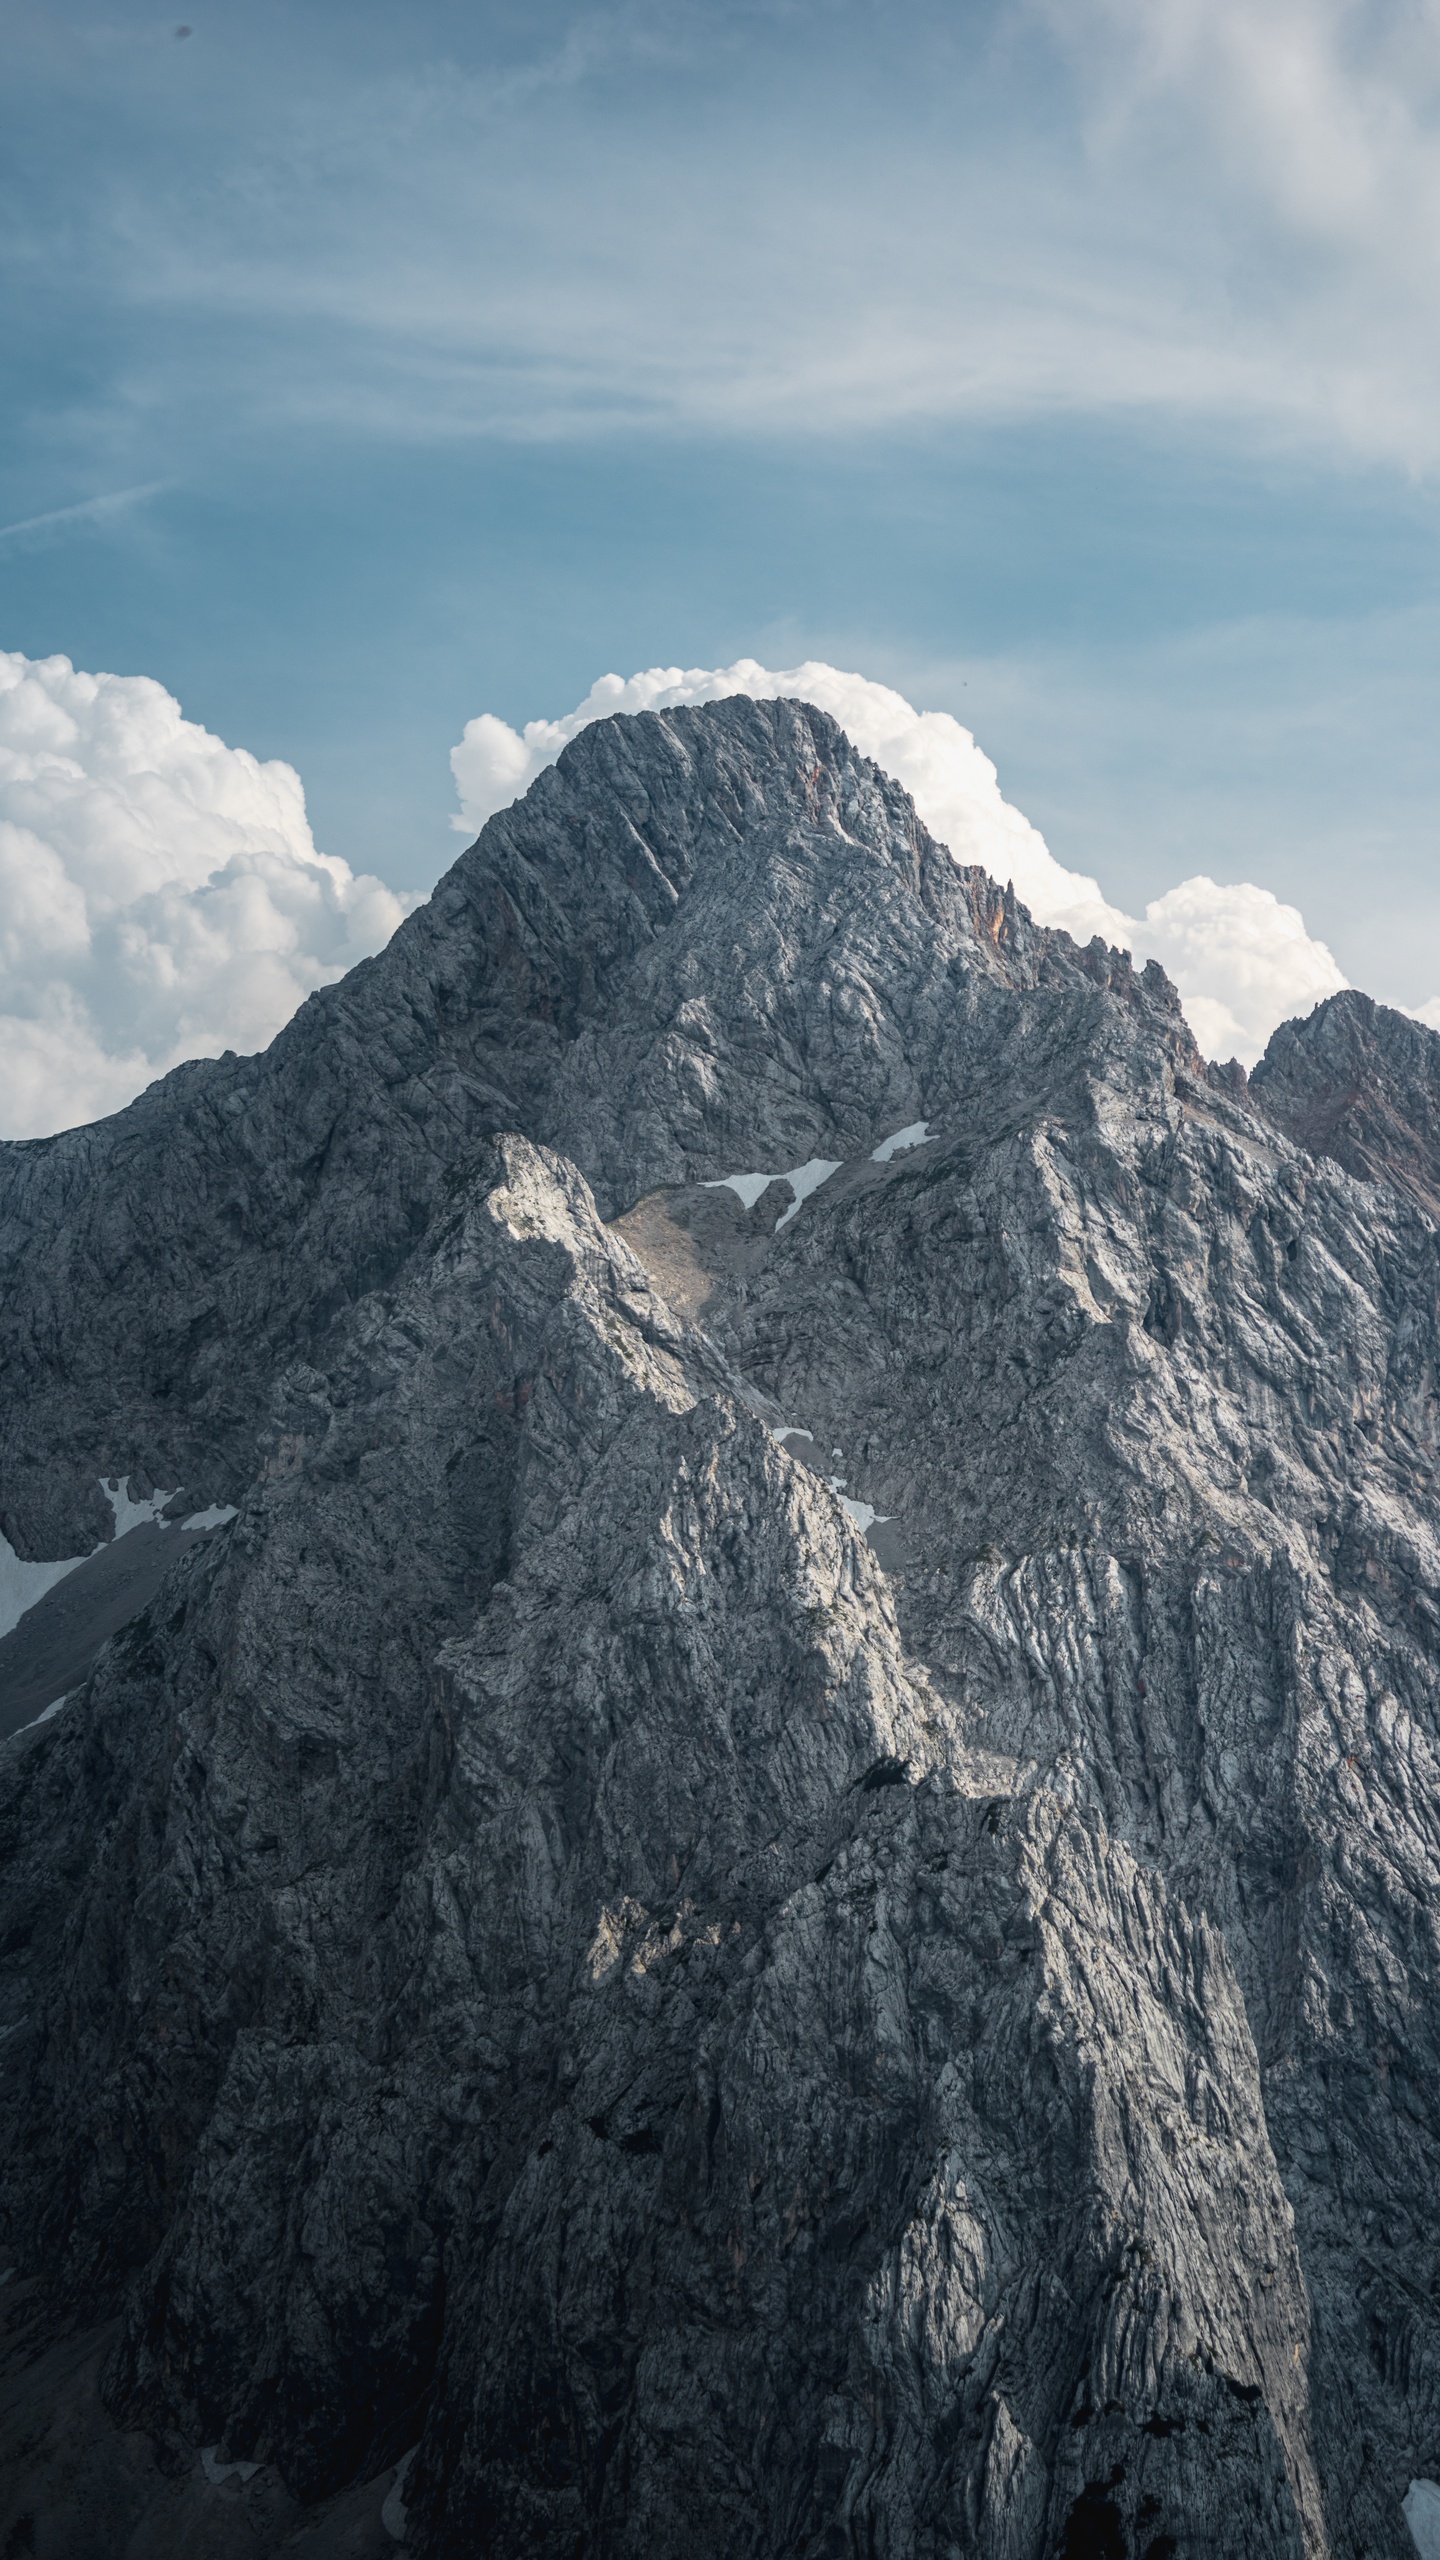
x,y
776,1892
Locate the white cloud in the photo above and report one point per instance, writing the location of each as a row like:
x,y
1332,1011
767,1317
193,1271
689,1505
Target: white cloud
x,y
161,896
1215,210
1320,111
1308,133
1241,960
31,532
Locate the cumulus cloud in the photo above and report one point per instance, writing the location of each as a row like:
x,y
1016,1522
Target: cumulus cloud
x,y
1241,960
161,896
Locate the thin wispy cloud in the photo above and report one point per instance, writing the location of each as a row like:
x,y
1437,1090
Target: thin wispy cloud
x,y
56,522
1221,215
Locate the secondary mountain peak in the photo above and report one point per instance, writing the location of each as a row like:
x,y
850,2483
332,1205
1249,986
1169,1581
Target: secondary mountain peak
x,y
1360,1082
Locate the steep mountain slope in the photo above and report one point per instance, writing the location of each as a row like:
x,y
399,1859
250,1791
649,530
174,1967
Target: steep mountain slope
x,y
734,2011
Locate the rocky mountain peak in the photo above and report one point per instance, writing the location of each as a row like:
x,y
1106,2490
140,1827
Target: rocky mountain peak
x,y
737,1840
1360,1083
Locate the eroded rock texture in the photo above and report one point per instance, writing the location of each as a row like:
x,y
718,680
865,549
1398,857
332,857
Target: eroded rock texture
x,y
873,1991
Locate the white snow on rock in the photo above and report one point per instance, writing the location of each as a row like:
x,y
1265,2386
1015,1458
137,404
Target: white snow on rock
x,y
215,2471
914,1136
1421,2510
128,1514
747,1187
393,2513
863,1514
805,1179
46,1713
802,1178
22,1583
134,1515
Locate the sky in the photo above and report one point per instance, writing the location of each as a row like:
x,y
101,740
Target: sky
x,y
1067,371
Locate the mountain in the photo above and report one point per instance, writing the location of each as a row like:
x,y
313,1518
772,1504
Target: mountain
x,y
734,1867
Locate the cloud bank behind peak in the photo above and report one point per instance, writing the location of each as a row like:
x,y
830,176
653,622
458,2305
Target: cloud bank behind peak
x,y
161,896
1242,960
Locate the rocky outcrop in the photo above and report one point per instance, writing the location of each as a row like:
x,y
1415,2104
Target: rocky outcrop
x,y
1361,1083
775,1893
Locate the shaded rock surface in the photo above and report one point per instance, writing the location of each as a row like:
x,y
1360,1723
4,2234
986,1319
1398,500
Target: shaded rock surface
x,y
777,1893
51,1649
1361,1083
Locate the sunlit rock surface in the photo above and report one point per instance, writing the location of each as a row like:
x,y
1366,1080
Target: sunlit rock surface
x,y
776,1891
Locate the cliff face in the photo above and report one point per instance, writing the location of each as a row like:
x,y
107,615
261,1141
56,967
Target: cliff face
x,y
776,1893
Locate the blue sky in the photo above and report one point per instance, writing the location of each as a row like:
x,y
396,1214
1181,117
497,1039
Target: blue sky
x,y
1071,370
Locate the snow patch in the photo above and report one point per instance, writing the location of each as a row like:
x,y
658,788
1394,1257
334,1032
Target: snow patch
x,y
747,1187
1421,2510
805,1179
46,1713
215,2471
128,1514
393,2513
914,1136
864,1514
22,1583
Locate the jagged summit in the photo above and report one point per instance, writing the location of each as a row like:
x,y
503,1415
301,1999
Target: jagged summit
x,y
704,937
1360,1083
772,1894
